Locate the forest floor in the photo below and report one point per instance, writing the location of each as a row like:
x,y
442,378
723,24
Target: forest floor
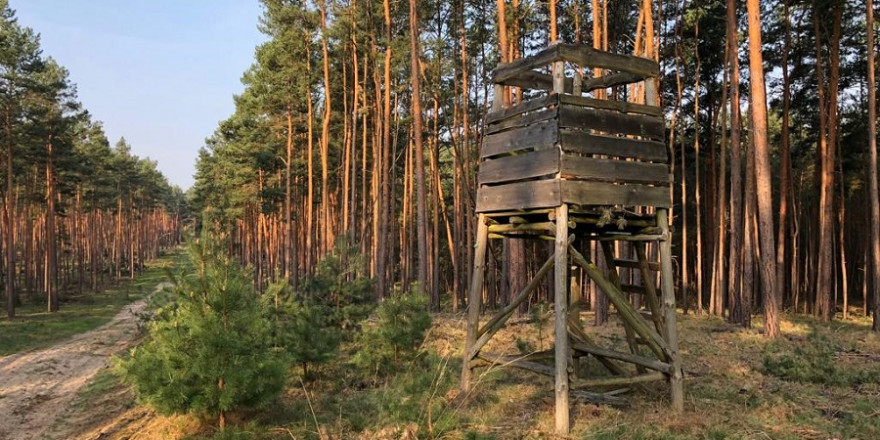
x,y
818,381
39,383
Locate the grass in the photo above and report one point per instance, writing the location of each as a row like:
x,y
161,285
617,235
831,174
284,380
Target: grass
x,y
33,327
731,390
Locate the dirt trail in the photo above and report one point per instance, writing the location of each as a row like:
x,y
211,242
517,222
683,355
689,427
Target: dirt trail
x,y
37,386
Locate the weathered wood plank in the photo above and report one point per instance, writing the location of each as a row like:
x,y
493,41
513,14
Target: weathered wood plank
x,y
543,58
588,57
621,106
617,381
541,135
522,121
668,309
601,193
612,80
513,361
533,80
474,299
573,116
585,143
598,398
520,167
611,170
646,362
529,105
521,195
560,306
540,227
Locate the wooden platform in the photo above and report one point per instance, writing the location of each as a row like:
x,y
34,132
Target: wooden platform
x,y
561,166
567,149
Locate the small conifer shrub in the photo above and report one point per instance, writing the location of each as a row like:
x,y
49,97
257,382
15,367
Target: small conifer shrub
x,y
341,287
306,330
401,323
209,350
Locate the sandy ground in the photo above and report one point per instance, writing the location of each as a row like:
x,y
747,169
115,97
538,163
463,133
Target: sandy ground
x,y
37,386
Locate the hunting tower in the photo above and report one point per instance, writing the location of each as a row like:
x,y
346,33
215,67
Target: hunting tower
x,y
560,166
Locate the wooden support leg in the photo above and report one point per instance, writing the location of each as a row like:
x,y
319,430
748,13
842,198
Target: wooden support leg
x,y
650,290
474,298
666,287
562,353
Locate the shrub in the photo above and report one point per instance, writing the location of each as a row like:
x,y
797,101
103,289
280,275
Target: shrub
x,y
305,330
402,320
340,284
814,362
209,350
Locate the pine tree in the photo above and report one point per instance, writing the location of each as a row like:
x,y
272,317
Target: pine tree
x,y
402,319
210,350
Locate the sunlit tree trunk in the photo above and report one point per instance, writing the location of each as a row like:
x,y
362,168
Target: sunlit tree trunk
x,y
760,139
326,222
872,167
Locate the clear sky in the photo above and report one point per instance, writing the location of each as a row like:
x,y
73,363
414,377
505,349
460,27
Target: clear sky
x,y
161,73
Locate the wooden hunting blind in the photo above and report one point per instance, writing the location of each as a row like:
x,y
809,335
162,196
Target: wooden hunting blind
x,y
561,166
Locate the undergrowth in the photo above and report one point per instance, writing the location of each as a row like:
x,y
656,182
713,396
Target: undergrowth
x,y
816,360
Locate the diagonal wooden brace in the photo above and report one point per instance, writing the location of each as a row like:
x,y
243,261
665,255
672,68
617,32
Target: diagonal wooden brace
x,y
626,310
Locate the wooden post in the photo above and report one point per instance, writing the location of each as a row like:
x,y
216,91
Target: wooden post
x,y
474,298
498,98
650,288
561,304
666,287
559,77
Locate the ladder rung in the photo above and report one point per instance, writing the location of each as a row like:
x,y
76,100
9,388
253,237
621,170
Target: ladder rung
x,y
634,264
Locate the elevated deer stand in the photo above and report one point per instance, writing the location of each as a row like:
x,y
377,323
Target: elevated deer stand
x,y
553,167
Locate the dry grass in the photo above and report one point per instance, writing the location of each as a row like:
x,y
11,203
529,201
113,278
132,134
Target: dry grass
x,y
729,393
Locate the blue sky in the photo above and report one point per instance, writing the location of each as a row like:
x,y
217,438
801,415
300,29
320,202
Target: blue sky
x,y
161,73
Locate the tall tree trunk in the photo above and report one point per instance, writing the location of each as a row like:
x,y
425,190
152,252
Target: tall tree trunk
x,y
758,100
327,227
9,216
872,173
719,266
503,41
384,163
421,200
310,203
698,264
51,241
736,189
288,242
782,236
827,142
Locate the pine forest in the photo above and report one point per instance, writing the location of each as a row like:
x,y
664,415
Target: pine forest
x,y
469,219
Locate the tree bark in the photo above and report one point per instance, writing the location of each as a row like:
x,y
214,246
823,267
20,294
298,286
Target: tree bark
x,y
736,195
758,100
421,200
872,169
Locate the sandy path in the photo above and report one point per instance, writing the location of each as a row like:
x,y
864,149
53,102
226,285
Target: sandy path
x,y
38,385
